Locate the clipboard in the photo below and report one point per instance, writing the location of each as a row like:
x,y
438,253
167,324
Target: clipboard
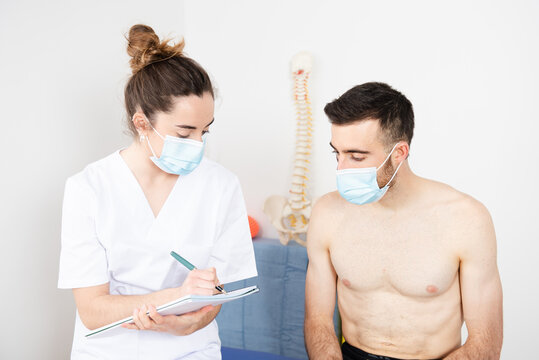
x,y
179,306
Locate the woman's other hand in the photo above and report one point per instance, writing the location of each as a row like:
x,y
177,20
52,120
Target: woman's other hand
x,y
174,324
198,282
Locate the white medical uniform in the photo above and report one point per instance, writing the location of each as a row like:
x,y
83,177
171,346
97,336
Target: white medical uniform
x,y
110,234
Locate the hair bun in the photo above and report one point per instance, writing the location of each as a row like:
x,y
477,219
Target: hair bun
x,y
145,48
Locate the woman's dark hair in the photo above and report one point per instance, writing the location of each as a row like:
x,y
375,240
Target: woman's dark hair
x,y
160,73
378,101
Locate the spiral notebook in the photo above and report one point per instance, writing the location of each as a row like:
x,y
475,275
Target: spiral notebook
x,y
179,306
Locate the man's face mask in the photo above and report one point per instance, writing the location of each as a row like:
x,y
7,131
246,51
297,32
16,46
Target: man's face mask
x,y
359,186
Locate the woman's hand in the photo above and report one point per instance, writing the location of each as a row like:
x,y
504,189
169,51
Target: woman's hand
x,y
198,282
177,325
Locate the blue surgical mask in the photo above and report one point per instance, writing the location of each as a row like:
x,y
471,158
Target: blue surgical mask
x,y
359,186
179,156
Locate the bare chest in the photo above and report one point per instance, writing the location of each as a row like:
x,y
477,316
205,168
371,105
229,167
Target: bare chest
x,y
414,258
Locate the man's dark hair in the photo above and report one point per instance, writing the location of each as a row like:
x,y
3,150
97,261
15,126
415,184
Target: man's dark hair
x,y
378,101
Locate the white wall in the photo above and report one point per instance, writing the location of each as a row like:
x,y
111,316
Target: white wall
x,y
468,68
63,66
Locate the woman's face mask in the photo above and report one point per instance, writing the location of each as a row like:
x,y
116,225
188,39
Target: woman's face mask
x,y
178,156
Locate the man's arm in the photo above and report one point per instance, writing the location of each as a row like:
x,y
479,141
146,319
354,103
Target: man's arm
x,y
480,288
320,287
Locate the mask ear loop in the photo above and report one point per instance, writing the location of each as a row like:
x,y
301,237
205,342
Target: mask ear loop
x,y
148,138
150,145
161,136
394,174
398,167
387,158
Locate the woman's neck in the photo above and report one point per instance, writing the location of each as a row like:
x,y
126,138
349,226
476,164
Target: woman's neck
x,y
137,157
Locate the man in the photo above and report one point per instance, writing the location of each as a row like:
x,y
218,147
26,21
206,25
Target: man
x,y
409,258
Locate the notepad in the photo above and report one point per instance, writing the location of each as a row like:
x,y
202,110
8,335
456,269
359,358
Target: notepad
x,y
179,306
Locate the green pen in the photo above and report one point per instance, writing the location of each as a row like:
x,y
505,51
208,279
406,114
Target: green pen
x,y
190,266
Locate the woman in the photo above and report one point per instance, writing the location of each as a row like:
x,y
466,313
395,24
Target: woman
x,y
124,214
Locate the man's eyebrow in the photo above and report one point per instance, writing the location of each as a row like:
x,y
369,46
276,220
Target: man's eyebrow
x,y
364,152
193,127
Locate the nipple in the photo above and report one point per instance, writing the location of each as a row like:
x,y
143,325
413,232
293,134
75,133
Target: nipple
x,y
346,282
431,289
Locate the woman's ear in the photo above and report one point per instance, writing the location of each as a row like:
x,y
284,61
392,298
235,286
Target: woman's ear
x,y
141,123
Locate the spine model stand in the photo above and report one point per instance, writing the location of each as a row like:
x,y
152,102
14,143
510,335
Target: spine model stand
x,y
290,216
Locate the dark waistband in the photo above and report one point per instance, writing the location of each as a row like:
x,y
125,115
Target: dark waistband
x,y
353,353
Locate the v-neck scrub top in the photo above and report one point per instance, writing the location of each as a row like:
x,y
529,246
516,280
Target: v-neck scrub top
x,y
110,234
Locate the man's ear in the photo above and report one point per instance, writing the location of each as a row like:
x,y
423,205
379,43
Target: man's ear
x,y
141,123
401,152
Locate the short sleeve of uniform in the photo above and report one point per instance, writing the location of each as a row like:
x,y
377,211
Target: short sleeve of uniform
x,y
83,260
233,255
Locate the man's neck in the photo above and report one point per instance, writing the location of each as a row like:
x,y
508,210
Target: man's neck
x,y
401,190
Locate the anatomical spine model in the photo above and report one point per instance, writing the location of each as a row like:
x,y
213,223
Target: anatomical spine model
x,y
290,216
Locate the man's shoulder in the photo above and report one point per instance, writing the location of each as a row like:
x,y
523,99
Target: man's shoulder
x,y
462,213
329,203
326,213
329,199
464,220
456,202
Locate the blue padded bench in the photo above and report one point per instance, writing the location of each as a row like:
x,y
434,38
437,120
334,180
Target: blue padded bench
x,y
270,322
